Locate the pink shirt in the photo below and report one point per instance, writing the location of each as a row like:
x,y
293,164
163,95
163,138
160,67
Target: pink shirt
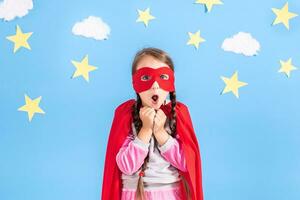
x,y
162,167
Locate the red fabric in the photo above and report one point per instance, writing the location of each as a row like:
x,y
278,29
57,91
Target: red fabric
x,y
152,75
121,127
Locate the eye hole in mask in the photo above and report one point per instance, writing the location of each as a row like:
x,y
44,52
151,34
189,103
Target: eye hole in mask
x,y
145,78
164,76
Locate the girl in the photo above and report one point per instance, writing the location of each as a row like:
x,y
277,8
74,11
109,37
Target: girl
x,y
152,150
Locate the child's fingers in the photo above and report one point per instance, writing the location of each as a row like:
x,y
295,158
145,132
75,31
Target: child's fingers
x,y
161,114
159,111
144,110
150,112
158,117
157,120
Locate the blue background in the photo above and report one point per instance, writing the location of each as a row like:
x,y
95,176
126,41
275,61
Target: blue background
x,y
249,146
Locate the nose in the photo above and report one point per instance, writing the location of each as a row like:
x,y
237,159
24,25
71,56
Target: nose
x,y
155,85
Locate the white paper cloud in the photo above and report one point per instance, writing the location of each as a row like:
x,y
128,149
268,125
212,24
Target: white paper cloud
x,y
92,27
10,9
242,43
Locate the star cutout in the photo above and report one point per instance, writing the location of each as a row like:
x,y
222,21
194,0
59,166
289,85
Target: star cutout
x,y
20,39
83,68
144,16
195,39
287,67
31,107
233,84
283,15
209,3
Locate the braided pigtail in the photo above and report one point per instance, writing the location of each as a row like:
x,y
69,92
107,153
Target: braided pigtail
x,y
138,125
172,124
172,121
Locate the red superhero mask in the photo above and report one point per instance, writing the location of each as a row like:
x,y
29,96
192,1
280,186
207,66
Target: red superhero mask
x,y
144,78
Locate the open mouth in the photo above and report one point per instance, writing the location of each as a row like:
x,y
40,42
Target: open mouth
x,y
155,98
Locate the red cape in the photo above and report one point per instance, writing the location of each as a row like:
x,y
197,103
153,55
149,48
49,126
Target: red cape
x,y
121,127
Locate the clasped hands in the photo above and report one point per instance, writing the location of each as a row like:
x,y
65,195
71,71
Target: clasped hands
x,y
153,119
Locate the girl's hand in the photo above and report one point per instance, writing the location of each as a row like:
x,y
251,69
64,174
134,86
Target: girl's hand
x,y
147,115
159,121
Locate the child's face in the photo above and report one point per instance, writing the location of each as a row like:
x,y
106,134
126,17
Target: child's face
x,y
148,96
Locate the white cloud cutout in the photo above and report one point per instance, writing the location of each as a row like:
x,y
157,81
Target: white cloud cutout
x,y
10,9
242,43
92,27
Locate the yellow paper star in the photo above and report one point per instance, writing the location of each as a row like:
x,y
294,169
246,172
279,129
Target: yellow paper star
x,y
287,67
195,39
144,16
20,39
83,68
209,3
233,84
283,15
31,107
